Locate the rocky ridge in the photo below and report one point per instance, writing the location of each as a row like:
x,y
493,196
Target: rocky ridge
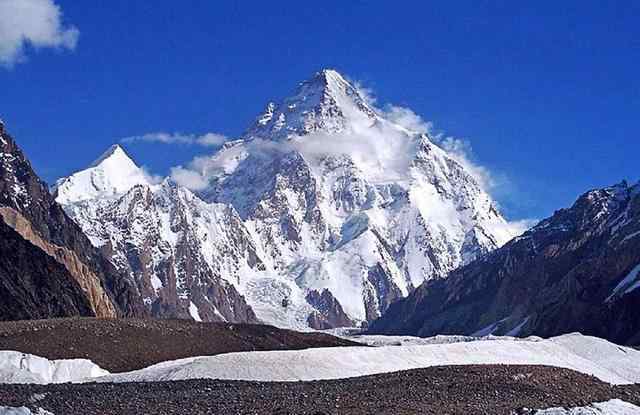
x,y
27,207
578,270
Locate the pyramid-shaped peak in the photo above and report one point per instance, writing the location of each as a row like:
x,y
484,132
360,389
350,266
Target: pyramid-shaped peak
x,y
111,175
330,76
328,82
327,101
115,153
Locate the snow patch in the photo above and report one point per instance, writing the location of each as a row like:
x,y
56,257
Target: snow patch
x,y
612,407
17,367
7,410
627,284
193,311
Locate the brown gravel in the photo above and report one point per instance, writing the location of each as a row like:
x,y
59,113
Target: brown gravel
x,y
120,345
489,389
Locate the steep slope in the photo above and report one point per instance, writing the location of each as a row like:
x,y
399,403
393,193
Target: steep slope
x,y
34,285
322,215
176,249
28,208
576,271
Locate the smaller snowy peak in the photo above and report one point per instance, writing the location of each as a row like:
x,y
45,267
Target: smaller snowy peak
x,y
113,153
325,102
111,175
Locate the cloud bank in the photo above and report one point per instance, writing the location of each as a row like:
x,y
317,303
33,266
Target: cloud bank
x,y
35,23
206,140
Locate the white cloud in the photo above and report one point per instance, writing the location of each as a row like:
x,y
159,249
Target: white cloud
x,y
189,178
462,152
518,227
151,178
380,150
37,23
408,119
211,139
207,140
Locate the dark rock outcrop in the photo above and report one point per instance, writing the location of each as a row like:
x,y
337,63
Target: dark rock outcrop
x,y
34,285
27,206
576,271
329,312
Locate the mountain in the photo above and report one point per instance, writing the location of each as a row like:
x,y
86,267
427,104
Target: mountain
x,y
321,215
578,270
48,266
174,247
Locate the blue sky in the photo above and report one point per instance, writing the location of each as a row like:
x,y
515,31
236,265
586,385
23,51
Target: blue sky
x,y
547,94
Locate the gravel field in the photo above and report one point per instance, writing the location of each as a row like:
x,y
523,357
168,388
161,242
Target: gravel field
x,y
436,390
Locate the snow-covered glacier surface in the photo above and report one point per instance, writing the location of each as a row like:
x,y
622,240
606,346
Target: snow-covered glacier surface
x,y
607,361
335,206
17,367
8,410
590,355
612,407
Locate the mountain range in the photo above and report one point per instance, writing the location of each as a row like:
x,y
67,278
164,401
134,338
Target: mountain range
x,y
327,212
321,215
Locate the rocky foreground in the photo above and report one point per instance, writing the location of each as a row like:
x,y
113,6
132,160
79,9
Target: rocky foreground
x,y
437,390
120,345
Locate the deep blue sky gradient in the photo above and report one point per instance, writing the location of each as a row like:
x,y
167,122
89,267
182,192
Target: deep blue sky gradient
x,y
547,93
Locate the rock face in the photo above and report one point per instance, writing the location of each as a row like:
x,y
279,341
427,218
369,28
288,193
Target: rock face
x,y
324,204
27,207
576,271
329,312
33,285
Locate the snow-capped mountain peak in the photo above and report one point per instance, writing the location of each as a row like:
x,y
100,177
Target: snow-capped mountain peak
x,y
111,175
325,102
114,154
323,202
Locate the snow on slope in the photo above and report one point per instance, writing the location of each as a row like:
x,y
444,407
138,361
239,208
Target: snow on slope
x,y
612,407
17,367
628,284
333,199
589,355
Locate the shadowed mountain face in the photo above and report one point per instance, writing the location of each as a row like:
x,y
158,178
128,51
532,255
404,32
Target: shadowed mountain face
x,y
30,212
576,271
34,285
